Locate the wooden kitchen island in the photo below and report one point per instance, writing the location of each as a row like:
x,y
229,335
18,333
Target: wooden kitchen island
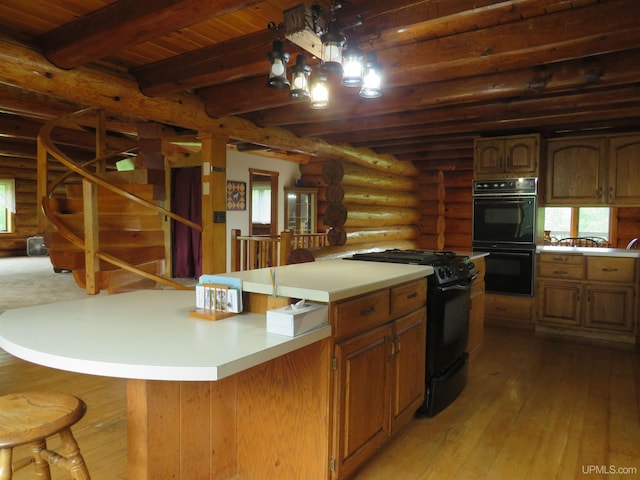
x,y
227,399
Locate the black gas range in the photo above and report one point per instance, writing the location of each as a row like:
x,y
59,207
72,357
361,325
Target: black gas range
x,y
448,302
448,266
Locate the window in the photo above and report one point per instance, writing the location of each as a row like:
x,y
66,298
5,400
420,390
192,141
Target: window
x,y
261,206
7,204
562,222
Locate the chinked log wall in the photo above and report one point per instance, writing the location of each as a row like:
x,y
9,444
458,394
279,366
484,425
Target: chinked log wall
x,y
365,208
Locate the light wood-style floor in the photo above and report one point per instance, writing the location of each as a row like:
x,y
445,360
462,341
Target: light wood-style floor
x,y
534,408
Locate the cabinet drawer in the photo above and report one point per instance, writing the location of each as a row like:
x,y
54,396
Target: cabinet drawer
x,y
554,270
512,308
561,259
611,269
361,313
408,297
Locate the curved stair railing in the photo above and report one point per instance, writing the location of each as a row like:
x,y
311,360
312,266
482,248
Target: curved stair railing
x,y
47,143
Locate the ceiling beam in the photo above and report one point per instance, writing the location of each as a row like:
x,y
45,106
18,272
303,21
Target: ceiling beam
x,y
124,23
217,65
492,52
27,68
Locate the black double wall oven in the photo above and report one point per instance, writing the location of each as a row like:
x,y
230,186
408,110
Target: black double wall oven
x,y
504,225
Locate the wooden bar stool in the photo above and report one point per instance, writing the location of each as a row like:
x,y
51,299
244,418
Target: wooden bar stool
x,y
30,418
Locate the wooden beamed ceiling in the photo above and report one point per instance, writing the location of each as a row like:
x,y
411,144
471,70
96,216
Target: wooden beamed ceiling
x,y
453,70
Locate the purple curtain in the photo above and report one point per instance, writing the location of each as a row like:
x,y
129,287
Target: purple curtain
x,y
186,195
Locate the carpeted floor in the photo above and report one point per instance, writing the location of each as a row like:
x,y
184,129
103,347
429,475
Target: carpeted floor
x,y
28,281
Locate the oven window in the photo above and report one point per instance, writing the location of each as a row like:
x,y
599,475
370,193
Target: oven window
x,y
509,272
503,220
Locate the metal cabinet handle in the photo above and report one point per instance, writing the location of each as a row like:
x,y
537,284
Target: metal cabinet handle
x,y
412,295
368,310
609,269
560,272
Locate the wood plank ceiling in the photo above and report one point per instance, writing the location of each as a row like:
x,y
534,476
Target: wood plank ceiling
x,y
453,69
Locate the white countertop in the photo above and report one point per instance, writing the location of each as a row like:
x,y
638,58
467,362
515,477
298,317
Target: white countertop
x,y
146,334
329,280
149,334
591,251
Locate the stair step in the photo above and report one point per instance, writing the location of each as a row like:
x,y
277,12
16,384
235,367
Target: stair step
x,y
74,259
111,205
148,192
115,221
139,176
111,238
120,280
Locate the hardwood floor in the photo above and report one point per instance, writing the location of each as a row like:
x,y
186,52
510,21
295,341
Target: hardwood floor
x,y
534,408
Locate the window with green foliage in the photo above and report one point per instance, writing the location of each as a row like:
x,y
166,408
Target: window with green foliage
x,y
7,204
565,222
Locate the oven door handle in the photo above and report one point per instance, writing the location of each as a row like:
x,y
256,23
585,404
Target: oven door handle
x,y
511,254
466,285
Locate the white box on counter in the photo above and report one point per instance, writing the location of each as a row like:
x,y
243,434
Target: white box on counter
x,y
297,319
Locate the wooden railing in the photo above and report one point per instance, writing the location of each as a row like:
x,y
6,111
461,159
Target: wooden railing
x,y
251,252
90,181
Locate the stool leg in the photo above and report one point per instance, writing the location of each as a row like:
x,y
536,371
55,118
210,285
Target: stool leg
x,y
41,466
75,461
6,457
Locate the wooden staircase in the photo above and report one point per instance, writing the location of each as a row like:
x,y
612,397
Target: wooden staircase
x,y
127,230
120,244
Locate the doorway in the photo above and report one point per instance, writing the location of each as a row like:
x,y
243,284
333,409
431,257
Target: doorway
x,y
186,201
263,202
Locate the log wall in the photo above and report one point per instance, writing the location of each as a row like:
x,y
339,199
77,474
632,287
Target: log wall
x,y
628,226
24,172
432,206
363,208
458,209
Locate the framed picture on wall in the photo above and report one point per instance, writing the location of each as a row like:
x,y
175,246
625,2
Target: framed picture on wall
x,y
236,195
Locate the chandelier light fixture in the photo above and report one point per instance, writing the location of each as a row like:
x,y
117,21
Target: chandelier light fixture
x,y
278,59
371,77
324,40
300,74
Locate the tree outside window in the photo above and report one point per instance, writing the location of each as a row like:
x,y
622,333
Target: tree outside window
x,y
565,222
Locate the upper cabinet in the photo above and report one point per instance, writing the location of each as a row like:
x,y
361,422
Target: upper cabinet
x,y
501,157
575,168
583,171
624,170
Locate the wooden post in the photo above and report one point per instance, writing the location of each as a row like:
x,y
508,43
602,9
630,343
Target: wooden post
x,y
101,141
41,185
91,236
235,250
214,206
286,237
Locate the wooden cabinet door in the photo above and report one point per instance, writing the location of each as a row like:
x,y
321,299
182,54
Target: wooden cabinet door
x,y
609,307
409,351
521,155
489,158
362,420
559,302
624,170
575,171
476,316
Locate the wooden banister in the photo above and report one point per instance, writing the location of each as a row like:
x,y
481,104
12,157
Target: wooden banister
x,y
251,252
90,244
